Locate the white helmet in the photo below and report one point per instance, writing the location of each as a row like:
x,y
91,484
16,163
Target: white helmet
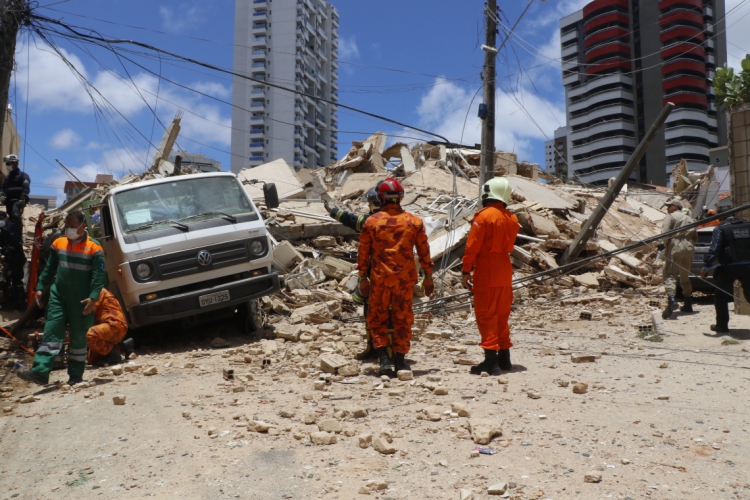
x,y
497,189
11,159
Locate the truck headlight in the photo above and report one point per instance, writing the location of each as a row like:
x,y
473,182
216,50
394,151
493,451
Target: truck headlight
x,y
143,270
256,247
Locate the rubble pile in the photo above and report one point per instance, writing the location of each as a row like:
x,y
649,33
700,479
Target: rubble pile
x,y
316,255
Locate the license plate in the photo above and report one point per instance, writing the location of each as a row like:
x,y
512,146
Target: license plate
x,y
214,298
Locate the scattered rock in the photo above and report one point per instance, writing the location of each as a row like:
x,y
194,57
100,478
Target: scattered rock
x,y
116,370
381,445
440,391
365,440
624,461
663,397
119,399
664,365
132,367
323,438
497,489
258,426
579,357
219,343
580,388
460,409
433,413
592,477
286,413
466,495
405,375
533,394
27,399
483,430
502,381
329,425
151,371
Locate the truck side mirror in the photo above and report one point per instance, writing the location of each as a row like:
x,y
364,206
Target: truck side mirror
x,y
271,195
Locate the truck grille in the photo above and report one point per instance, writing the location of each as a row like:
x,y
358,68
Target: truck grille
x,y
186,263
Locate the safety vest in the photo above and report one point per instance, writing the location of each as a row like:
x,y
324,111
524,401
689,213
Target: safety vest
x,y
735,241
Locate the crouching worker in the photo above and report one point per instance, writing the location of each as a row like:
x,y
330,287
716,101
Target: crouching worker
x,y
76,272
488,272
105,337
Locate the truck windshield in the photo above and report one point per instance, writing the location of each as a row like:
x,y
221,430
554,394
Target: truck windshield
x,y
181,202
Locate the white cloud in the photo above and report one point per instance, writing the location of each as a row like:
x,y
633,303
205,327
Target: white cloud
x,y
214,89
65,139
186,16
348,48
444,108
54,87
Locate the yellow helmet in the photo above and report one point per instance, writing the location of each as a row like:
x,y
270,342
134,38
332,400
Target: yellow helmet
x,y
497,189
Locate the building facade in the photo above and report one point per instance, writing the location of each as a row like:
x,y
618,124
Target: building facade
x,y
623,60
292,43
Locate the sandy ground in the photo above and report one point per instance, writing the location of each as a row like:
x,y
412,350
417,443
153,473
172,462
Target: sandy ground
x,y
659,419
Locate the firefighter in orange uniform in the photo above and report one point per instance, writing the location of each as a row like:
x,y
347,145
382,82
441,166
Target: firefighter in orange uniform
x,y
110,327
386,248
488,272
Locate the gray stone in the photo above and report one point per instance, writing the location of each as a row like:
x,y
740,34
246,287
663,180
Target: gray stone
x,y
381,445
329,425
497,489
119,399
323,438
483,430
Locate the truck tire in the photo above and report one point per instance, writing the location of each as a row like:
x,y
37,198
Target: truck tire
x,y
250,317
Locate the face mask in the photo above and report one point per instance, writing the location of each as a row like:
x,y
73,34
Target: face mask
x,y
72,233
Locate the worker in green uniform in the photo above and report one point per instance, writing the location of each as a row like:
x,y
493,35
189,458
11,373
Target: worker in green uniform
x,y
76,272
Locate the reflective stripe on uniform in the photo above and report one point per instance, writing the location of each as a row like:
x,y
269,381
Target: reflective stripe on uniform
x,y
50,347
360,221
78,255
79,267
77,354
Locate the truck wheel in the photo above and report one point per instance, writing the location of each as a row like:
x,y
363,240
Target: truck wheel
x,y
250,317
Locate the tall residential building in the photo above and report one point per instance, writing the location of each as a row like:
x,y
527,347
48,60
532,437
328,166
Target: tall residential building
x,y
623,60
556,153
292,43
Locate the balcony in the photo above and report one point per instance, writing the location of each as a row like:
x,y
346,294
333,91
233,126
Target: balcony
x,y
256,2
258,64
259,14
256,118
259,27
259,52
256,130
256,144
258,103
259,40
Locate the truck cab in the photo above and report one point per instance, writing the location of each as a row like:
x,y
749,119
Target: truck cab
x,y
182,246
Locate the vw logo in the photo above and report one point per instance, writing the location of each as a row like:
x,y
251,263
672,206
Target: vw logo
x,y
204,258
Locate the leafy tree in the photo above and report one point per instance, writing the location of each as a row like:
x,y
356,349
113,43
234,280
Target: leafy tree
x,y
733,89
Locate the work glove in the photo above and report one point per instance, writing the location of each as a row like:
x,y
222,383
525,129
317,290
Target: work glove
x,y
660,247
21,204
428,286
364,287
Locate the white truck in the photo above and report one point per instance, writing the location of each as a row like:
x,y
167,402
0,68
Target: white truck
x,y
190,247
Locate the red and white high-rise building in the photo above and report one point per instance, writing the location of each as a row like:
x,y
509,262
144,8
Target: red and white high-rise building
x,y
622,61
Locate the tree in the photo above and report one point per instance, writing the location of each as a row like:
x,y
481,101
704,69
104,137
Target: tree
x,y
733,89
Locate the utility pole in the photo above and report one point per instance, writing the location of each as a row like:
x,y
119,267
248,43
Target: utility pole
x,y
12,14
487,169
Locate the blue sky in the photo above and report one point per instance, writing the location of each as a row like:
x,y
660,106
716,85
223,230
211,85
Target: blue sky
x,y
416,61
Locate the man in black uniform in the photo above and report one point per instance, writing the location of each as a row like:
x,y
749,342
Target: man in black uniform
x,y
15,190
730,245
13,258
356,222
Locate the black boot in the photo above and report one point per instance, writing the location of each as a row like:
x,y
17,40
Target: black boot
x,y
32,376
719,329
113,358
127,346
489,365
75,379
687,307
671,307
399,362
504,360
385,362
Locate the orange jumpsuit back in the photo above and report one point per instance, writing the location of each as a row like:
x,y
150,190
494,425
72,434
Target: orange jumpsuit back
x,y
493,233
110,327
386,247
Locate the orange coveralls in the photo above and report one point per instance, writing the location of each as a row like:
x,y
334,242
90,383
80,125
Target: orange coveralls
x,y
110,327
386,247
493,233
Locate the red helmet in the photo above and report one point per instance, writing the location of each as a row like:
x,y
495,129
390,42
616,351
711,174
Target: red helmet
x,y
390,190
